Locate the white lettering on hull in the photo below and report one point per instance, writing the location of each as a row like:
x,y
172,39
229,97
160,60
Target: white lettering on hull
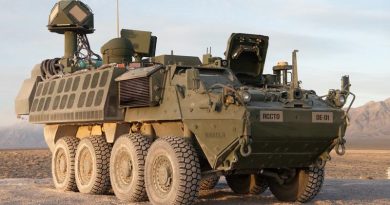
x,y
271,116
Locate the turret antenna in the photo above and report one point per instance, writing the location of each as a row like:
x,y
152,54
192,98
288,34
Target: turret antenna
x,y
295,83
117,17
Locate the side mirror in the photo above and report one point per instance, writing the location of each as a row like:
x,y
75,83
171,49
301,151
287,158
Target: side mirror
x,y
193,80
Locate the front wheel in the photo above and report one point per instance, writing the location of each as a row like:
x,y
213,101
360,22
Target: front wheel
x,y
209,182
303,187
172,172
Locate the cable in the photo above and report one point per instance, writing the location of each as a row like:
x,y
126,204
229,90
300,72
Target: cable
x,y
84,51
51,68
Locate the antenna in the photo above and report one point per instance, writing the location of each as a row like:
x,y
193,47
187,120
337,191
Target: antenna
x,y
295,83
117,17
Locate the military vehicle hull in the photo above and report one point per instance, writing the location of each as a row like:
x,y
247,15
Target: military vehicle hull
x,y
163,127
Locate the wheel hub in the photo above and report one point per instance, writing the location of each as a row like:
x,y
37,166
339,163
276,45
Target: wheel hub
x,y
85,166
124,167
162,174
60,166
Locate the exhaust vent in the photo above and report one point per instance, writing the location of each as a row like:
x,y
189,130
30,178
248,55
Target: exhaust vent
x,y
141,87
135,92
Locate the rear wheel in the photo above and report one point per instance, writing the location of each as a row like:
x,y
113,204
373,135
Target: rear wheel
x,y
303,187
92,165
209,182
246,183
172,172
127,166
63,164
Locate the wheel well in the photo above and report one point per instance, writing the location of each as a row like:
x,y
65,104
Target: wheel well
x,y
111,131
155,130
53,133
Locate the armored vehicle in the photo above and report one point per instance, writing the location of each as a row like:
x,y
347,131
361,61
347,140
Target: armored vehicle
x,y
160,128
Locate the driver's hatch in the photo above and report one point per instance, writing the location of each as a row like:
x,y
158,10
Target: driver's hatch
x,y
246,55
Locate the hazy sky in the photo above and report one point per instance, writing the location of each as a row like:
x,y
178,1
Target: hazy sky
x,y
334,37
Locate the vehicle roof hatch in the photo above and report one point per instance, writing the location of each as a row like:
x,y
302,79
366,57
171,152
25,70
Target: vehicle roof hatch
x,y
246,55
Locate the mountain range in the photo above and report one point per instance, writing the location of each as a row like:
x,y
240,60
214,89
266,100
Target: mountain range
x,y
369,128
22,135
370,120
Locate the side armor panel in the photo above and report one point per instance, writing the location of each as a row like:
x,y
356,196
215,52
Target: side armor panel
x,y
85,97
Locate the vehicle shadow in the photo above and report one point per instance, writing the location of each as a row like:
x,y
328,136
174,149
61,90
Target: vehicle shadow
x,y
334,191
222,194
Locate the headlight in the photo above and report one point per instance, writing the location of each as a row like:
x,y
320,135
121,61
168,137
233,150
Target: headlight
x,y
246,96
337,98
340,99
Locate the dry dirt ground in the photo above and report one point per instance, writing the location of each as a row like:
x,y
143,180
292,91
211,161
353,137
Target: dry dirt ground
x,y
359,177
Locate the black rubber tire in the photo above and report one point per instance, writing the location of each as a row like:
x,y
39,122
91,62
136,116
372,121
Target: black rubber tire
x,y
247,183
63,157
177,161
209,182
92,165
128,182
260,185
302,188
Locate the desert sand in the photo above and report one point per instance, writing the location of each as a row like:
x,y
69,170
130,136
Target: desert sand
x,y
359,177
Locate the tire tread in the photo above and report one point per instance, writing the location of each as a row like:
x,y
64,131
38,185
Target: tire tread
x,y
102,150
314,185
189,169
141,145
71,143
209,182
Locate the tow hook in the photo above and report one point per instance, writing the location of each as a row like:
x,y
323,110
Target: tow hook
x,y
340,144
245,140
245,146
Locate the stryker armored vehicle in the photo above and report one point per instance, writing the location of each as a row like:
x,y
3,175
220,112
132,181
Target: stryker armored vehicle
x,y
160,128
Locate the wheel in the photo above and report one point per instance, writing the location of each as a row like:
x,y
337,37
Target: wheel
x,y
303,187
260,185
92,165
62,164
127,165
246,183
209,182
172,172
